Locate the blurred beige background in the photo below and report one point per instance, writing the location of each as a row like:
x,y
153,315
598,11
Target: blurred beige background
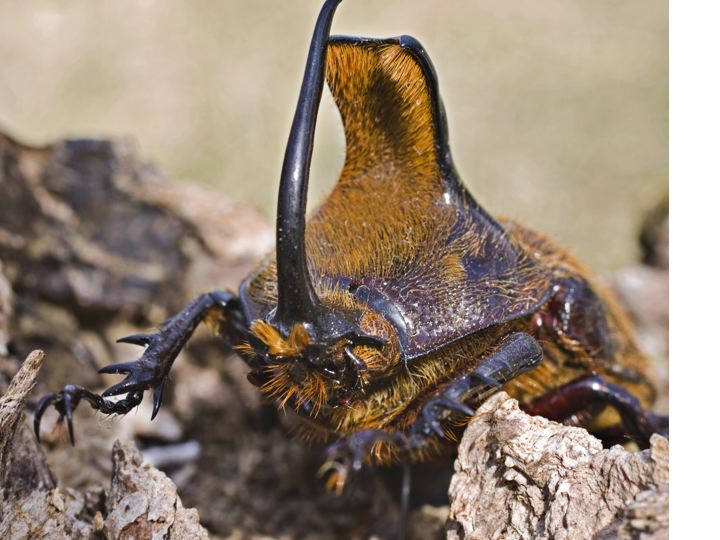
x,y
558,110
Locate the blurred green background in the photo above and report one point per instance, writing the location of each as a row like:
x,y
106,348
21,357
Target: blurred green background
x,y
558,110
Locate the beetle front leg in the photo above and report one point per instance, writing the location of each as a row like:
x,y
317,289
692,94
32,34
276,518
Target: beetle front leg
x,y
515,355
148,372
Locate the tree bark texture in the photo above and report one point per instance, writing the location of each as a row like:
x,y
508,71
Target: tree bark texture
x,y
525,477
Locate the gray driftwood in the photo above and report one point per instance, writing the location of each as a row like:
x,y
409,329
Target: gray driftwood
x,y
525,477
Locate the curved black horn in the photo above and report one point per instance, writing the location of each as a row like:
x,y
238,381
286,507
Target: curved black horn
x,y
297,301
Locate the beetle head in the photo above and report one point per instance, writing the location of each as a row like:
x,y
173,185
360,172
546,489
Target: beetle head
x,y
311,371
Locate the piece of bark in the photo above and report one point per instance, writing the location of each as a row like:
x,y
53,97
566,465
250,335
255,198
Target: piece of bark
x,y
646,518
143,502
524,477
22,465
47,515
30,505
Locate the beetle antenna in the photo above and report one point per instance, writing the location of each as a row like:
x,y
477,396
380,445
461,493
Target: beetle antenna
x,y
297,300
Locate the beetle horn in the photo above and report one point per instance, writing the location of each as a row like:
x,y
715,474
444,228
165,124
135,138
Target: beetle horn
x,y
297,300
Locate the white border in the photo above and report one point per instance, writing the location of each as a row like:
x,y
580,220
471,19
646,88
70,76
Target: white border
x,y
694,267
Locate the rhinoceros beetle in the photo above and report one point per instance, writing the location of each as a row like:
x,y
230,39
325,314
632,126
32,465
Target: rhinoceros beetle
x,y
400,303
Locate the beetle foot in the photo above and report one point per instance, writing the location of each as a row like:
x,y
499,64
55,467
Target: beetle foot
x,y
148,372
346,456
433,413
67,400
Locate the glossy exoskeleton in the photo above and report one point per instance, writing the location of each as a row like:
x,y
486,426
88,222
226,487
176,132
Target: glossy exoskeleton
x,y
401,303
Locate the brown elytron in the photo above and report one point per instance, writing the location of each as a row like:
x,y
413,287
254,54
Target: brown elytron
x,y
401,302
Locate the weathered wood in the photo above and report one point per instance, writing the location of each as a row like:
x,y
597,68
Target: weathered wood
x,y
30,505
22,465
524,477
143,502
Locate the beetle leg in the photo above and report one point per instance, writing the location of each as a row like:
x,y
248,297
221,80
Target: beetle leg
x,y
148,372
592,390
355,448
347,455
68,399
517,354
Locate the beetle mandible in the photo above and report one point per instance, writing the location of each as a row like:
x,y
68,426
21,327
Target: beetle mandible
x,y
383,325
